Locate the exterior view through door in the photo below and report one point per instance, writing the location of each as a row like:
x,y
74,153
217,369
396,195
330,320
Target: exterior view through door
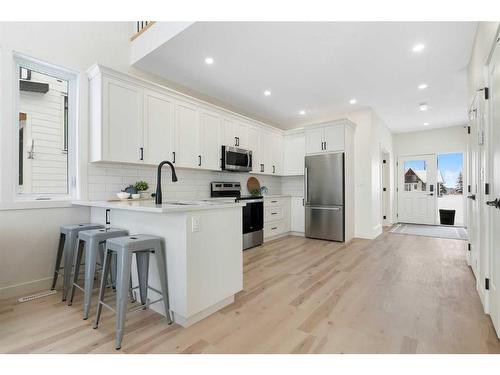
x,y
430,189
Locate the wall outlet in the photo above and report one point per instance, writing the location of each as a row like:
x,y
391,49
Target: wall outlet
x,y
195,224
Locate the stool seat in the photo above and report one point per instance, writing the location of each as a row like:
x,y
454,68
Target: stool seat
x,y
67,244
136,242
142,245
90,242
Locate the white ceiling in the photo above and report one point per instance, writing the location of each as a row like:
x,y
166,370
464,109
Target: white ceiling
x,y
319,66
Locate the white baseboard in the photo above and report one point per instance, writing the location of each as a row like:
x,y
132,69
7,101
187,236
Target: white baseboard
x,y
30,287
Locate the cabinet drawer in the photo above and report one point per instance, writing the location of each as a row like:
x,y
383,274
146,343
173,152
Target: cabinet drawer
x,y
274,201
274,213
274,229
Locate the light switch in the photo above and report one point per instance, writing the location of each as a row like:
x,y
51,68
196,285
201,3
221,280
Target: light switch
x,y
195,224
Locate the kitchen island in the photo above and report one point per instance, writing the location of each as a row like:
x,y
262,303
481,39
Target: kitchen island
x,y
203,241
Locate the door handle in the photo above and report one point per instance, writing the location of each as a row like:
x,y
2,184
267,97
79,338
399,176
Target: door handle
x,y
472,196
306,189
495,203
325,208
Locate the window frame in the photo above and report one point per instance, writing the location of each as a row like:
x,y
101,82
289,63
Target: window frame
x,y
72,78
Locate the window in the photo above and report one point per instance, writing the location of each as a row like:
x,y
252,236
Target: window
x,y
415,177
46,130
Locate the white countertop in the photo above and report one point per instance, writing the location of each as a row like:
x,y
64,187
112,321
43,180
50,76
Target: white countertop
x,y
167,207
271,196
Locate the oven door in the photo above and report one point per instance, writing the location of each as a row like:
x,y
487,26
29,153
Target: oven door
x,y
236,159
253,215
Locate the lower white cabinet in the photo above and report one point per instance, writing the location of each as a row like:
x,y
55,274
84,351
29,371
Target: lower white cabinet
x,y
276,216
297,214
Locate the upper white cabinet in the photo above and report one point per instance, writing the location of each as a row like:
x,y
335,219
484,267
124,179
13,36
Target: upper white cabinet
x,y
210,140
119,108
325,138
187,128
135,121
235,133
253,141
294,151
158,127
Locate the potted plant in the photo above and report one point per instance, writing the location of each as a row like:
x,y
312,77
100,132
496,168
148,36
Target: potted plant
x,y
142,187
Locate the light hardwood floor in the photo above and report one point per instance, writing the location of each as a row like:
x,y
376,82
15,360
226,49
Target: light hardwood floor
x,y
396,294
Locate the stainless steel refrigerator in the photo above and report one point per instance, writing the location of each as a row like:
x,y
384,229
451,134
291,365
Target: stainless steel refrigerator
x,y
324,196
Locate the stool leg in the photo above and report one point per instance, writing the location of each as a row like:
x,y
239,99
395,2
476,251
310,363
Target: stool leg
x,y
79,253
142,258
69,256
102,289
60,250
161,261
113,270
124,265
92,247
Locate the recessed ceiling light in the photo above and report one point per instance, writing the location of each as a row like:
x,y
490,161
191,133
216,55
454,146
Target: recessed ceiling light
x,y
426,124
267,93
302,112
353,101
422,86
423,107
209,60
418,47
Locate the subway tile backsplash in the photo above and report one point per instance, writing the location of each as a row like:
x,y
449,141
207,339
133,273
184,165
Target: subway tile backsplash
x,y
105,180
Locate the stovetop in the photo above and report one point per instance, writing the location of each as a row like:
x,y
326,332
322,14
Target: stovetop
x,y
243,197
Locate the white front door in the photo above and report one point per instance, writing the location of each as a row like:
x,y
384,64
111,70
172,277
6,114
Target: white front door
x,y
494,157
417,189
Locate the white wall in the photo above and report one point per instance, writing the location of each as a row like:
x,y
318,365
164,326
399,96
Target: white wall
x,y
432,141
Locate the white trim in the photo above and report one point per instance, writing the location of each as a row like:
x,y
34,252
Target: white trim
x,y
70,76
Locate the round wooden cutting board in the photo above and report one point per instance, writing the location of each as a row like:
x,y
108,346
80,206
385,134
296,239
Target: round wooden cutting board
x,y
253,184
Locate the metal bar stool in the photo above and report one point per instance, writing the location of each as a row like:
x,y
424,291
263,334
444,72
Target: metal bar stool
x,y
91,242
67,244
125,247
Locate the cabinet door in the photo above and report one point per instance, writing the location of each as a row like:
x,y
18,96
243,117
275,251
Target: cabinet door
x,y
277,154
334,138
253,142
228,132
122,118
187,135
294,150
158,127
314,140
210,145
266,152
241,134
297,216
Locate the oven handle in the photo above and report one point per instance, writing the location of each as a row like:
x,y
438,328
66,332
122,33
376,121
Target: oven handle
x,y
251,201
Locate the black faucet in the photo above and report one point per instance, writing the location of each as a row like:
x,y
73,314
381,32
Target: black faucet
x,y
158,199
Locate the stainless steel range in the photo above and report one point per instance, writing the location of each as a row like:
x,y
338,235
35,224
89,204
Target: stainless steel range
x,y
253,212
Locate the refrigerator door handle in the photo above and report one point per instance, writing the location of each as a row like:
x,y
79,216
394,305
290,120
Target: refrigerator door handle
x,y
306,186
324,208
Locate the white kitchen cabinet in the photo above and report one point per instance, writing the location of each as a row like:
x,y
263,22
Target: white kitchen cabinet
x,y
187,131
119,112
314,140
253,142
235,133
276,216
297,214
158,127
266,157
276,154
334,137
210,140
294,151
325,138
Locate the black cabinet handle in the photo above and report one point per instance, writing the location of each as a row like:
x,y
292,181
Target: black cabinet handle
x,y
238,138
236,141
199,160
173,154
141,153
495,203
325,145
472,196
274,213
262,167
108,219
274,169
273,228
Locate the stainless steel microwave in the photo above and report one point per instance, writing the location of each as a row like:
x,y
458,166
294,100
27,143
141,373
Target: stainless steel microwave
x,y
236,159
